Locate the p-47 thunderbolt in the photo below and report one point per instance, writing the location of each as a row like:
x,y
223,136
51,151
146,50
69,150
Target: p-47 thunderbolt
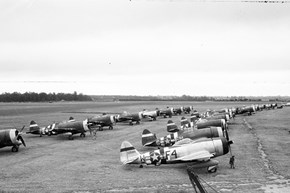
x,y
248,109
166,112
130,117
102,121
150,114
150,139
11,137
198,152
70,127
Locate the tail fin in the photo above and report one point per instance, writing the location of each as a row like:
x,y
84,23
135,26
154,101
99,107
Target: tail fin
x,y
71,119
148,138
184,123
128,153
171,127
33,127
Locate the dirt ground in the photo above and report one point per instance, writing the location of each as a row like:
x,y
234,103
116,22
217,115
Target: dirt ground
x,y
56,164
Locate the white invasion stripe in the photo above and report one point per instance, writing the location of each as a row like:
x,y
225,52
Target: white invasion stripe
x,y
175,135
169,124
34,125
148,135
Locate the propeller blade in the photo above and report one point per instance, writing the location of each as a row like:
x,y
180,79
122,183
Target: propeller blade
x,y
21,139
227,135
22,128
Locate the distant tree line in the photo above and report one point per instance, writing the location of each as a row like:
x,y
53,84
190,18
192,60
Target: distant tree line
x,y
42,97
188,98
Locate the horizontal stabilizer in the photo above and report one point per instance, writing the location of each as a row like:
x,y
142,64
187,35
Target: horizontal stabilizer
x,y
148,138
128,153
199,156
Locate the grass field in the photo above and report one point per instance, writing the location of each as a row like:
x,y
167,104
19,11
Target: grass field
x,y
56,164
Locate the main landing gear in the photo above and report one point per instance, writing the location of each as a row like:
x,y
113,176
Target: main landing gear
x,y
15,149
211,169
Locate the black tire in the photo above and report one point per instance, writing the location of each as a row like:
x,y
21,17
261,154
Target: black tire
x,y
110,127
14,149
213,170
101,129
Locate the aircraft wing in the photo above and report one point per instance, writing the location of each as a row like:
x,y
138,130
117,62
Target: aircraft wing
x,y
64,130
200,155
183,142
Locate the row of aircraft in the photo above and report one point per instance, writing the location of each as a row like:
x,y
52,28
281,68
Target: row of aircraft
x,y
197,140
13,137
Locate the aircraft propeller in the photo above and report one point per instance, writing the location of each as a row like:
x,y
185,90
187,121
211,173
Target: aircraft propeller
x,y
19,137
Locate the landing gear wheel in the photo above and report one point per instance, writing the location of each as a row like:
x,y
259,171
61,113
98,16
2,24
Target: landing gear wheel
x,y
212,169
137,122
70,137
141,166
110,127
131,123
100,128
14,149
83,135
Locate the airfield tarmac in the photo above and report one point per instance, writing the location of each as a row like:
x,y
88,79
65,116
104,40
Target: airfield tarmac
x,y
56,164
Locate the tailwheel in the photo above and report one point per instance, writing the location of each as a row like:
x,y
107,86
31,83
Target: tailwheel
x,y
82,135
212,169
130,123
70,137
110,127
137,122
14,149
100,128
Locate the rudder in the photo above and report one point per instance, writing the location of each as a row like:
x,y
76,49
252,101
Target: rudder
x,y
148,138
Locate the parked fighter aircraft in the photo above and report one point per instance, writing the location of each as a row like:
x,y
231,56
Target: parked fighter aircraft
x,y
150,114
134,117
203,123
198,152
70,127
11,137
188,109
150,139
247,109
102,121
166,112
178,111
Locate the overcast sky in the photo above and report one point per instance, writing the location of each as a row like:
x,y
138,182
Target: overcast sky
x,y
145,47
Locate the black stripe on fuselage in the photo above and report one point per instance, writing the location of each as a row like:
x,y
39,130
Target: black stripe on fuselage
x,y
127,149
